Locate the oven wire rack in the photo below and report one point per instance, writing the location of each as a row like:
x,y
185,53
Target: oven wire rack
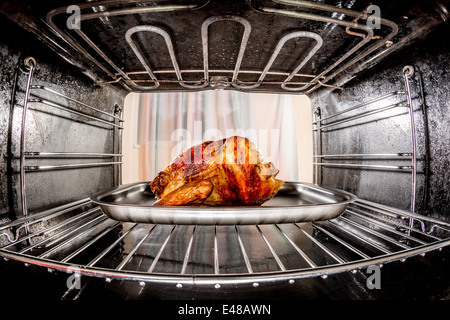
x,y
88,242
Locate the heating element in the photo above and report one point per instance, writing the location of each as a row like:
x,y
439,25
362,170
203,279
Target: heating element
x,y
367,43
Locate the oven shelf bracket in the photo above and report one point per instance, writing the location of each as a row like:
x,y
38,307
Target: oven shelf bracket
x,y
29,66
321,125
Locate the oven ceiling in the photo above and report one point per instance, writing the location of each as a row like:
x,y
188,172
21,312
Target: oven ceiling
x,y
278,46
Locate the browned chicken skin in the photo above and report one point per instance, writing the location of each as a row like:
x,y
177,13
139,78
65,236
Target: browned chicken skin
x,y
226,172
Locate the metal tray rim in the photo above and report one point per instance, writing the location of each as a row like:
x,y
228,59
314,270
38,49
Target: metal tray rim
x,y
95,198
223,215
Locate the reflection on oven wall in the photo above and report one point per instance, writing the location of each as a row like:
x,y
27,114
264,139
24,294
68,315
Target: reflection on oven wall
x,y
159,126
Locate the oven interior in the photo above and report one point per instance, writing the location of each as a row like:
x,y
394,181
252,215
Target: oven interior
x,y
377,79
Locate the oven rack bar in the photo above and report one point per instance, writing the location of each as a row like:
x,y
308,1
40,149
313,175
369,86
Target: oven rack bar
x,y
82,114
389,95
70,166
358,116
39,217
47,89
407,168
38,154
293,9
363,155
366,234
69,155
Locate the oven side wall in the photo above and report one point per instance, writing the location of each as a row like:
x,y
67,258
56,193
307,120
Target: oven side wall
x,y
49,129
389,131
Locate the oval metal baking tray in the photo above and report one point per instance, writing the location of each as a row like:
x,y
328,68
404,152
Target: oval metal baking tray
x,y
294,202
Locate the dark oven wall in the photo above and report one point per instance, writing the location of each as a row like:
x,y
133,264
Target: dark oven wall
x,y
49,129
389,131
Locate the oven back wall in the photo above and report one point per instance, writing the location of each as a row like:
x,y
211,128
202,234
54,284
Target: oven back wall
x,y
49,129
389,131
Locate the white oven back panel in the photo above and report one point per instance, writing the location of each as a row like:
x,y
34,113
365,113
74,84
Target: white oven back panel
x,y
159,126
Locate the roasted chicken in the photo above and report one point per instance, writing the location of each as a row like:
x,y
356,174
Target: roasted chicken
x,y
228,172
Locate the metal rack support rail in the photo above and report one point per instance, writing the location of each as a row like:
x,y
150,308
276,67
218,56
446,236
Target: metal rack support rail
x,y
38,154
62,107
44,88
408,71
30,64
319,126
40,217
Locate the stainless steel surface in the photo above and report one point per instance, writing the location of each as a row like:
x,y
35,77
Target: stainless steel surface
x,y
93,49
64,236
212,257
354,39
295,202
31,64
323,125
390,132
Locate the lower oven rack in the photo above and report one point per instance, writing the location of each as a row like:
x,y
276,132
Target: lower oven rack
x,y
78,237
